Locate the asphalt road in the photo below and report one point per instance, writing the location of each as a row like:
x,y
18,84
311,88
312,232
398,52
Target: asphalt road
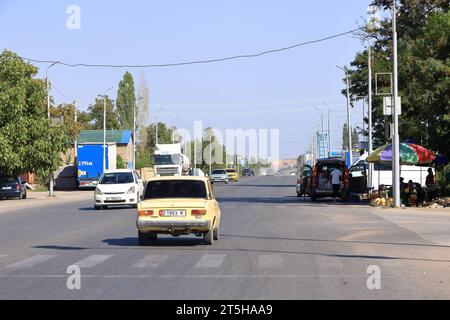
x,y
272,245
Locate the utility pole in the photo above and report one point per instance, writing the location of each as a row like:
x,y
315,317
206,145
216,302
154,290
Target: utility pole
x,y
350,147
75,151
104,133
395,109
50,189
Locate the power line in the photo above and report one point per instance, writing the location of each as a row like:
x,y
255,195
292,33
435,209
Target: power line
x,y
176,64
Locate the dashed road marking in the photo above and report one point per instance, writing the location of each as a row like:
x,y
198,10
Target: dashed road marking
x,y
93,260
30,262
151,261
270,261
210,261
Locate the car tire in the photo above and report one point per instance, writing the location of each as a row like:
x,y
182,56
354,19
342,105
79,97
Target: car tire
x,y
98,207
216,234
208,237
146,239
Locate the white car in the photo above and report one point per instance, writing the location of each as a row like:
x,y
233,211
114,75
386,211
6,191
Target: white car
x,y
219,175
118,187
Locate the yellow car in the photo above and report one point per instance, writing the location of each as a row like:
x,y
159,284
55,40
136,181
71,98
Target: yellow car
x,y
232,174
178,205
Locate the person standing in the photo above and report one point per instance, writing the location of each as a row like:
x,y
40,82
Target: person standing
x,y
431,185
336,176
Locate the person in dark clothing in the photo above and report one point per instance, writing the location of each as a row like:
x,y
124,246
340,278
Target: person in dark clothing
x,y
431,185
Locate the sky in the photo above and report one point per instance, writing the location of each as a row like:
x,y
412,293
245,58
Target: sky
x,y
279,91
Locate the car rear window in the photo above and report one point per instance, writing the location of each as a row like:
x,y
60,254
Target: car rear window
x,y
8,179
175,189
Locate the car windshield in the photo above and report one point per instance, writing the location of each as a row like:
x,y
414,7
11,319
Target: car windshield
x,y
163,159
175,189
219,172
117,178
231,170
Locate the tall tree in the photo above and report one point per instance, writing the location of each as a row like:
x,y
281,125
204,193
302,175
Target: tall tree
x,y
95,113
424,72
126,101
142,114
355,137
29,142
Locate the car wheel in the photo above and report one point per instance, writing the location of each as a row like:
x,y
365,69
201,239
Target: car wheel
x,y
146,239
216,234
98,207
208,237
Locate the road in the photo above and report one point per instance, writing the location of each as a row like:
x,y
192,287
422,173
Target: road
x,y
272,246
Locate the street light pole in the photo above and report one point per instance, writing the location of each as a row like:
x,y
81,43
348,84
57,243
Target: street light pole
x,y
134,132
350,147
395,109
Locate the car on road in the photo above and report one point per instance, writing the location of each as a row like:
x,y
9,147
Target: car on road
x,y
219,175
246,172
118,187
232,174
178,206
320,181
12,187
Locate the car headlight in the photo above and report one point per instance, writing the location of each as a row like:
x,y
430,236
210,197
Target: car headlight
x,y
132,190
98,192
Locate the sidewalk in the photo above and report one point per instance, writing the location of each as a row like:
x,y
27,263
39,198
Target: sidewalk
x,y
41,199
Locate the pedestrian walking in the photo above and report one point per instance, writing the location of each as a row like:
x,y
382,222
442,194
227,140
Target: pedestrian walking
x,y
336,176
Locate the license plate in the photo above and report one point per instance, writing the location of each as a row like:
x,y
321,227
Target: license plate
x,y
173,213
114,199
7,188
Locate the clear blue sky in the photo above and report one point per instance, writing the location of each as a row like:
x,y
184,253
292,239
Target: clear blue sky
x,y
276,91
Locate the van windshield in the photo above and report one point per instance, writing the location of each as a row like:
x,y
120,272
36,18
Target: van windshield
x,y
163,159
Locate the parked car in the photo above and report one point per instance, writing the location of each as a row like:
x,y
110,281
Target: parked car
x,y
118,187
219,175
178,206
12,187
320,181
232,174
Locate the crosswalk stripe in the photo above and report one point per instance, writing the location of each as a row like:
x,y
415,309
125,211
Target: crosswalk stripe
x,y
210,261
270,261
150,261
93,260
30,262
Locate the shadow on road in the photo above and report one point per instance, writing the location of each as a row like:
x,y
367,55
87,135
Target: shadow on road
x,y
289,200
161,242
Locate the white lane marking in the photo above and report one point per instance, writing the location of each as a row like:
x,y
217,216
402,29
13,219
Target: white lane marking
x,y
30,262
270,261
93,260
210,261
150,261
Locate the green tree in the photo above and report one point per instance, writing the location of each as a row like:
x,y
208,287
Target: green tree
x,y
424,72
29,142
95,114
126,101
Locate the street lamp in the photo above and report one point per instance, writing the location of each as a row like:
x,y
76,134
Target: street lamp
x,y
329,128
395,109
348,116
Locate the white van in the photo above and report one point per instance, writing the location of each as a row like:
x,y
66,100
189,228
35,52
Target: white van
x,y
382,175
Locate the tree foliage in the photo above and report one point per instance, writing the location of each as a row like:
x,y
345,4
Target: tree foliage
x,y
424,72
126,101
29,142
95,114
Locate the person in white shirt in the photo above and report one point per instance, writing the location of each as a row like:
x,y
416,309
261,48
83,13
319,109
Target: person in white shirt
x,y
336,175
